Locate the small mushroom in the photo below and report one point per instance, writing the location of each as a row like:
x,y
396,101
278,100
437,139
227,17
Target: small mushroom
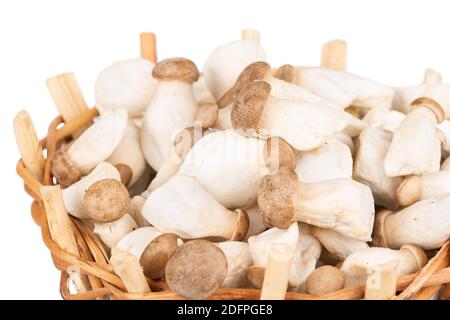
x,y
337,244
136,241
343,205
112,232
196,269
227,61
425,223
171,109
410,259
74,195
332,160
126,84
325,279
106,200
415,188
302,124
183,207
206,115
128,156
97,142
373,144
344,89
239,259
155,256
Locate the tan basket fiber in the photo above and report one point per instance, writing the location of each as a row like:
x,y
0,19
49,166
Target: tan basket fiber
x,y
103,283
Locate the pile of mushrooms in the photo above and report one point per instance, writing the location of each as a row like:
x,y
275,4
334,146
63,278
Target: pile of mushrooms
x,y
243,175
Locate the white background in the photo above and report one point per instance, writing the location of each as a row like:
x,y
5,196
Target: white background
x,y
389,41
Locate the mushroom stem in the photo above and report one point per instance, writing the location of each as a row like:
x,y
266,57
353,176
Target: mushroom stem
x,y
148,46
334,55
382,281
251,35
28,143
67,95
277,272
60,226
127,267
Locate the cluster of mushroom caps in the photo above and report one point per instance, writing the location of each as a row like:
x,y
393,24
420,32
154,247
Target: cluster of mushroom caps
x,y
301,178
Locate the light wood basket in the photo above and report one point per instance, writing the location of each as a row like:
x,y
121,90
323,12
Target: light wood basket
x,y
432,281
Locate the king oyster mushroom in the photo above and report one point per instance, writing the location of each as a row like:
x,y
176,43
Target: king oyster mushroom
x,y
126,84
325,279
171,109
136,241
343,205
182,206
415,146
239,259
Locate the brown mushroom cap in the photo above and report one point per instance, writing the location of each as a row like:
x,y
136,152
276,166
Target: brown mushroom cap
x,y
255,276
106,200
286,73
206,115
176,69
64,170
275,197
378,237
278,153
126,174
196,269
432,105
249,105
242,225
155,256
418,253
324,280
408,192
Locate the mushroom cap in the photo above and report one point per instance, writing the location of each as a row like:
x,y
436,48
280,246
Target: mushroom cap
x,y
378,236
196,269
106,200
126,174
64,170
279,153
430,104
176,69
408,192
155,256
418,253
249,105
206,115
324,280
276,196
242,225
286,73
255,276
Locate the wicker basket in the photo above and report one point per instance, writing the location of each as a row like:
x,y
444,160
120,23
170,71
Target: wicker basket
x,y
432,281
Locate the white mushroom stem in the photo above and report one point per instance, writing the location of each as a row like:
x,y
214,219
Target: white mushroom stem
x,y
67,95
415,146
127,267
425,223
28,143
126,84
227,165
336,243
73,195
98,141
332,160
343,205
167,170
344,89
239,260
382,117
373,145
410,259
135,211
381,282
416,188
334,55
128,152
112,232
60,226
183,207
277,271
136,241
